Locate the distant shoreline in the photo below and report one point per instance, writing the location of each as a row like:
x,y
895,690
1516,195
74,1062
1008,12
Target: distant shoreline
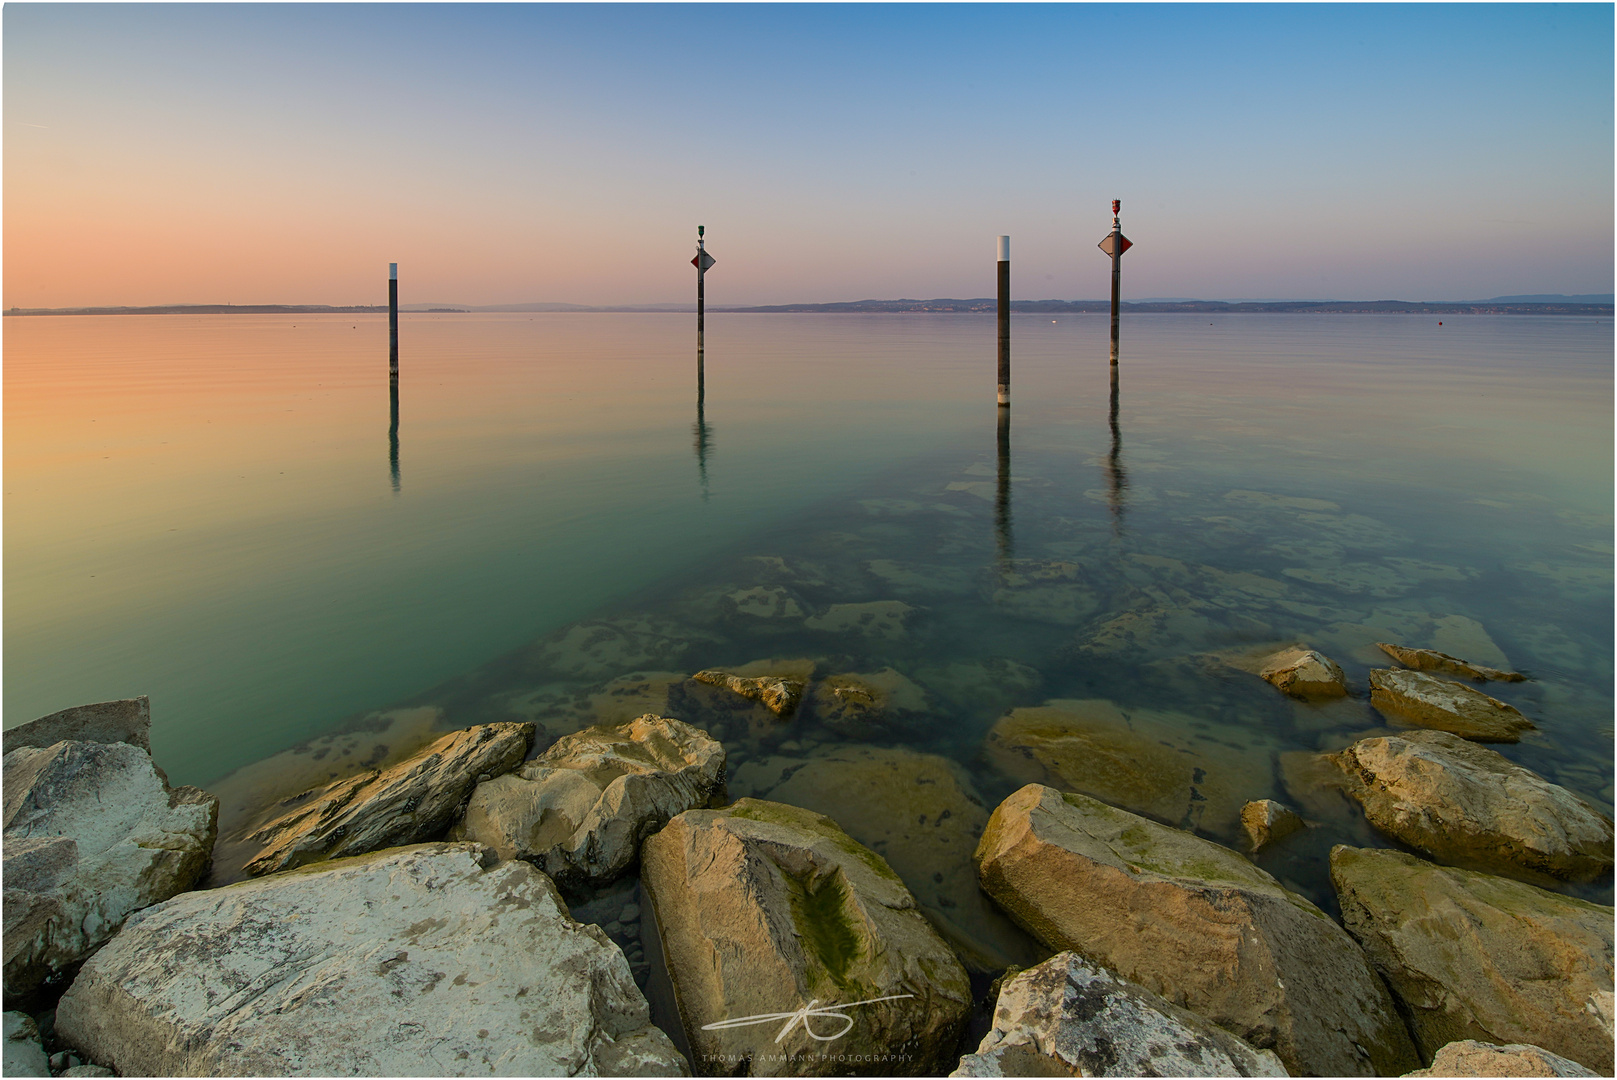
x,y
896,307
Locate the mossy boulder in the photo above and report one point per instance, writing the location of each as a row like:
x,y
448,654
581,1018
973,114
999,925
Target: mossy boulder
x,y
764,909
922,814
1474,956
1195,923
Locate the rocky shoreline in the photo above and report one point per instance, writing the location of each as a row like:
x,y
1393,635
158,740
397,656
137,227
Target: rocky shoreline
x,y
620,901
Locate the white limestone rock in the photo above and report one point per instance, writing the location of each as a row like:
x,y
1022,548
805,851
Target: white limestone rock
x,y
413,801
580,810
1069,1017
92,832
414,961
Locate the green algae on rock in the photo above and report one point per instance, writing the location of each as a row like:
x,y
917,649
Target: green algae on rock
x,y
764,909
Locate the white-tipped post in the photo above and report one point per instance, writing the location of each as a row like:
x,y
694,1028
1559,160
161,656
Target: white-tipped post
x,y
1004,320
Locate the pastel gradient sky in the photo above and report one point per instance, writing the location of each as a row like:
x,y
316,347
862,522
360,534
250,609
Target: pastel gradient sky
x,y
507,153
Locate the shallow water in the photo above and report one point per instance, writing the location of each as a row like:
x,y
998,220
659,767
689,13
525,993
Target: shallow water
x,y
207,510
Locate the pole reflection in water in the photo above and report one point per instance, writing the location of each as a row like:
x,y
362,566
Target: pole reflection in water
x,y
393,430
700,429
1116,481
1002,495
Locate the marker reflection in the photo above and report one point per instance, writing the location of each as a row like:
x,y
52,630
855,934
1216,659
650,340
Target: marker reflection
x,y
1002,494
393,431
1117,481
703,435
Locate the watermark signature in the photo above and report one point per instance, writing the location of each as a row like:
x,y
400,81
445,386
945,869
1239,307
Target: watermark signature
x,y
801,1016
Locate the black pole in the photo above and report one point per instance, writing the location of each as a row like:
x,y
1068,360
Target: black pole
x,y
1005,320
701,294
1117,271
393,319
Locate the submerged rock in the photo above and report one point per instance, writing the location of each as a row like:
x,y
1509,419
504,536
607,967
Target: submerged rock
x,y
415,800
1412,697
1267,821
409,962
1151,762
1432,660
921,813
1462,803
779,695
93,832
1195,923
878,618
1304,673
125,721
765,909
24,1054
580,810
862,706
1471,1058
1068,1017
1473,956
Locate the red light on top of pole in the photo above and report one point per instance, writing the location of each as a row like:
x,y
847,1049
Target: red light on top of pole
x,y
1117,204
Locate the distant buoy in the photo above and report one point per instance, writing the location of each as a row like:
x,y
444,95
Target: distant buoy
x,y
1440,322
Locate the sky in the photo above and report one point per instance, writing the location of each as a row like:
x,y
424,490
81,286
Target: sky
x,y
511,153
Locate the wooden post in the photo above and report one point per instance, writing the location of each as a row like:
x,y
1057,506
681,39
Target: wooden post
x,y
393,319
1005,320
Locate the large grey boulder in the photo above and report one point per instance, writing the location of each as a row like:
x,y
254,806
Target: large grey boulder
x,y
127,721
1471,1058
1422,700
764,910
580,810
1474,956
413,801
24,1054
410,962
1069,1017
1432,660
1465,804
1197,924
92,832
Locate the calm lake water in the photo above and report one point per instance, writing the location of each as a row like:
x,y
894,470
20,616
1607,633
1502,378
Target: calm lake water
x,y
219,512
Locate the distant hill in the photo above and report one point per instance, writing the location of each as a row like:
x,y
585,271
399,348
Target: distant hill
x,y
1553,298
1214,307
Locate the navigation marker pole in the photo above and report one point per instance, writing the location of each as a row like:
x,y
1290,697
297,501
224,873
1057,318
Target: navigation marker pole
x,y
1114,245
1005,321
393,319
702,261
